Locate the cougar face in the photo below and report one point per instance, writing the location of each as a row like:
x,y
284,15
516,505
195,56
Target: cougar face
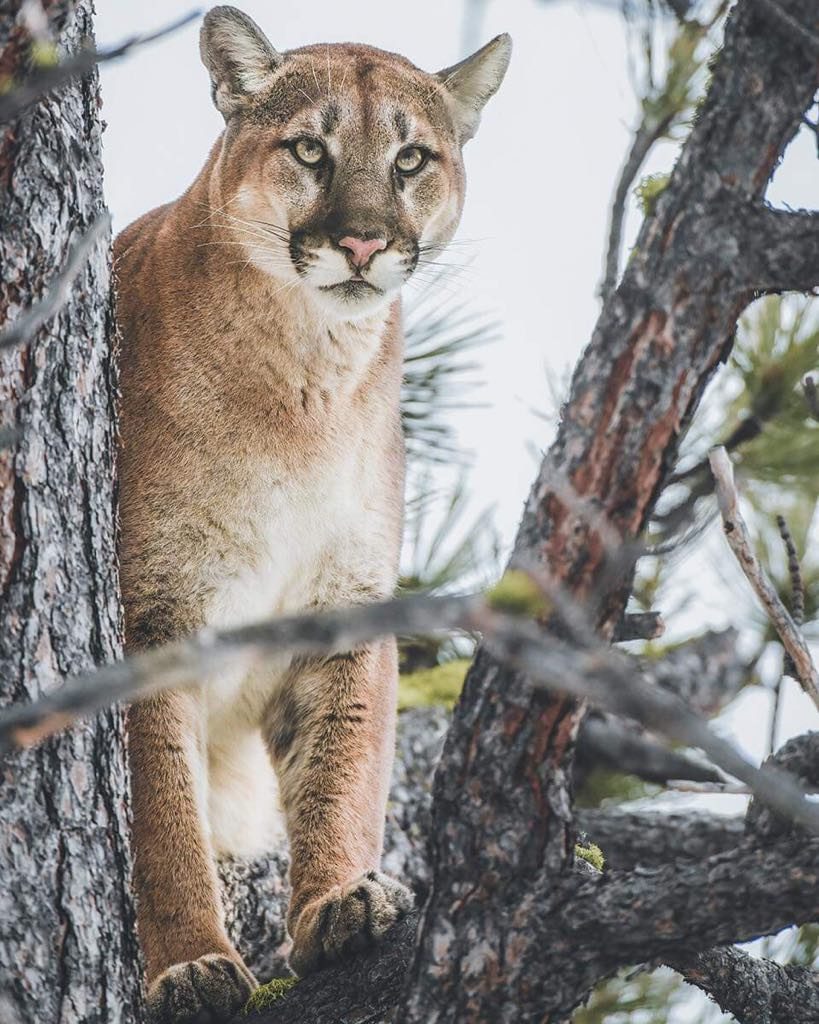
x,y
341,167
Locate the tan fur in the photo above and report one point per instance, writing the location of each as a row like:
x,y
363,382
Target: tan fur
x,y
262,473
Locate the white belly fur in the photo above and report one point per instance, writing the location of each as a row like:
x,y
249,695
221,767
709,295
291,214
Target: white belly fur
x,y
316,541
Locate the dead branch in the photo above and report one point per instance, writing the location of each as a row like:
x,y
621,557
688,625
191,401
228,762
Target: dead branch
x,y
754,990
203,654
648,133
46,79
604,676
59,289
611,744
739,540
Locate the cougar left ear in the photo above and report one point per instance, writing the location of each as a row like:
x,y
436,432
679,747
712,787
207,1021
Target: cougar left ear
x,y
472,82
238,55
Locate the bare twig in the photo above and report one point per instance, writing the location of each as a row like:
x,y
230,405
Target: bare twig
x,y
204,653
607,679
692,786
604,676
45,79
59,289
797,614
611,743
644,139
794,571
736,533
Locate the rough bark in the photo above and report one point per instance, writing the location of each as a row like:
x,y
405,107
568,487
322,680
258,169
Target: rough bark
x,y
502,807
593,924
684,893
754,990
67,943
648,839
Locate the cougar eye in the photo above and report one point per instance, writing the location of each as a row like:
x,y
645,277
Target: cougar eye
x,y
309,152
411,159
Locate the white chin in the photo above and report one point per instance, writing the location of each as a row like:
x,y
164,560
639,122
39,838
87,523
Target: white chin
x,y
353,300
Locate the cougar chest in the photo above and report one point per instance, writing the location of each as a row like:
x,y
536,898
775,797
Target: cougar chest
x,y
308,538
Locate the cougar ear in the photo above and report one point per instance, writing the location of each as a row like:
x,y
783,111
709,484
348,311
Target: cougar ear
x,y
472,82
238,56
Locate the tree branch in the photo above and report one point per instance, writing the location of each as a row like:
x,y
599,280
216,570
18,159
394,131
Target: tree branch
x,y
781,250
625,917
204,653
613,745
658,341
654,838
753,990
644,139
602,675
48,78
739,540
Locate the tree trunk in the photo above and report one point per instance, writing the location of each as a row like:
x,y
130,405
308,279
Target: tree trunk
x,y
68,949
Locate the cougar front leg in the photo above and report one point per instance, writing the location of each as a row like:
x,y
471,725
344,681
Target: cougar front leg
x,y
194,973
331,735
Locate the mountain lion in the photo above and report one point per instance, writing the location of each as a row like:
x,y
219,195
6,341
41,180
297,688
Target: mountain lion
x,y
262,473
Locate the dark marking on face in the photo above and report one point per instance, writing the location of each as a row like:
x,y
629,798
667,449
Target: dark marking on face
x,y
401,122
330,118
299,252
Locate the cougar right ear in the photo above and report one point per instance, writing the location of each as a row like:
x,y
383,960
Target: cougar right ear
x,y
238,55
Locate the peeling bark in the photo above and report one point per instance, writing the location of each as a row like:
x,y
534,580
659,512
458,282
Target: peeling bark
x,y
68,951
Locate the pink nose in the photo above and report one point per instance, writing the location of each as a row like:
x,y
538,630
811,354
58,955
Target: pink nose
x,y
362,249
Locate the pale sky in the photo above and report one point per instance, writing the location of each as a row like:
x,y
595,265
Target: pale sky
x,y
541,173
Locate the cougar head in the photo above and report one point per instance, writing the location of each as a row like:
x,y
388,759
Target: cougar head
x,y
341,166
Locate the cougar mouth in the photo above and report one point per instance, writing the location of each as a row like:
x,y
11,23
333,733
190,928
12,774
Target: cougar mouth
x,y
352,288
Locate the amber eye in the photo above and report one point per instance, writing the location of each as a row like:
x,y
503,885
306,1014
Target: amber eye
x,y
411,160
309,152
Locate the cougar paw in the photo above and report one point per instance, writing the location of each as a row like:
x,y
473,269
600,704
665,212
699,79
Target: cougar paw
x,y
210,990
348,919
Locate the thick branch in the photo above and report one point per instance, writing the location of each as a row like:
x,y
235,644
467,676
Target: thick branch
x,y
782,248
632,917
621,917
654,838
739,540
753,990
